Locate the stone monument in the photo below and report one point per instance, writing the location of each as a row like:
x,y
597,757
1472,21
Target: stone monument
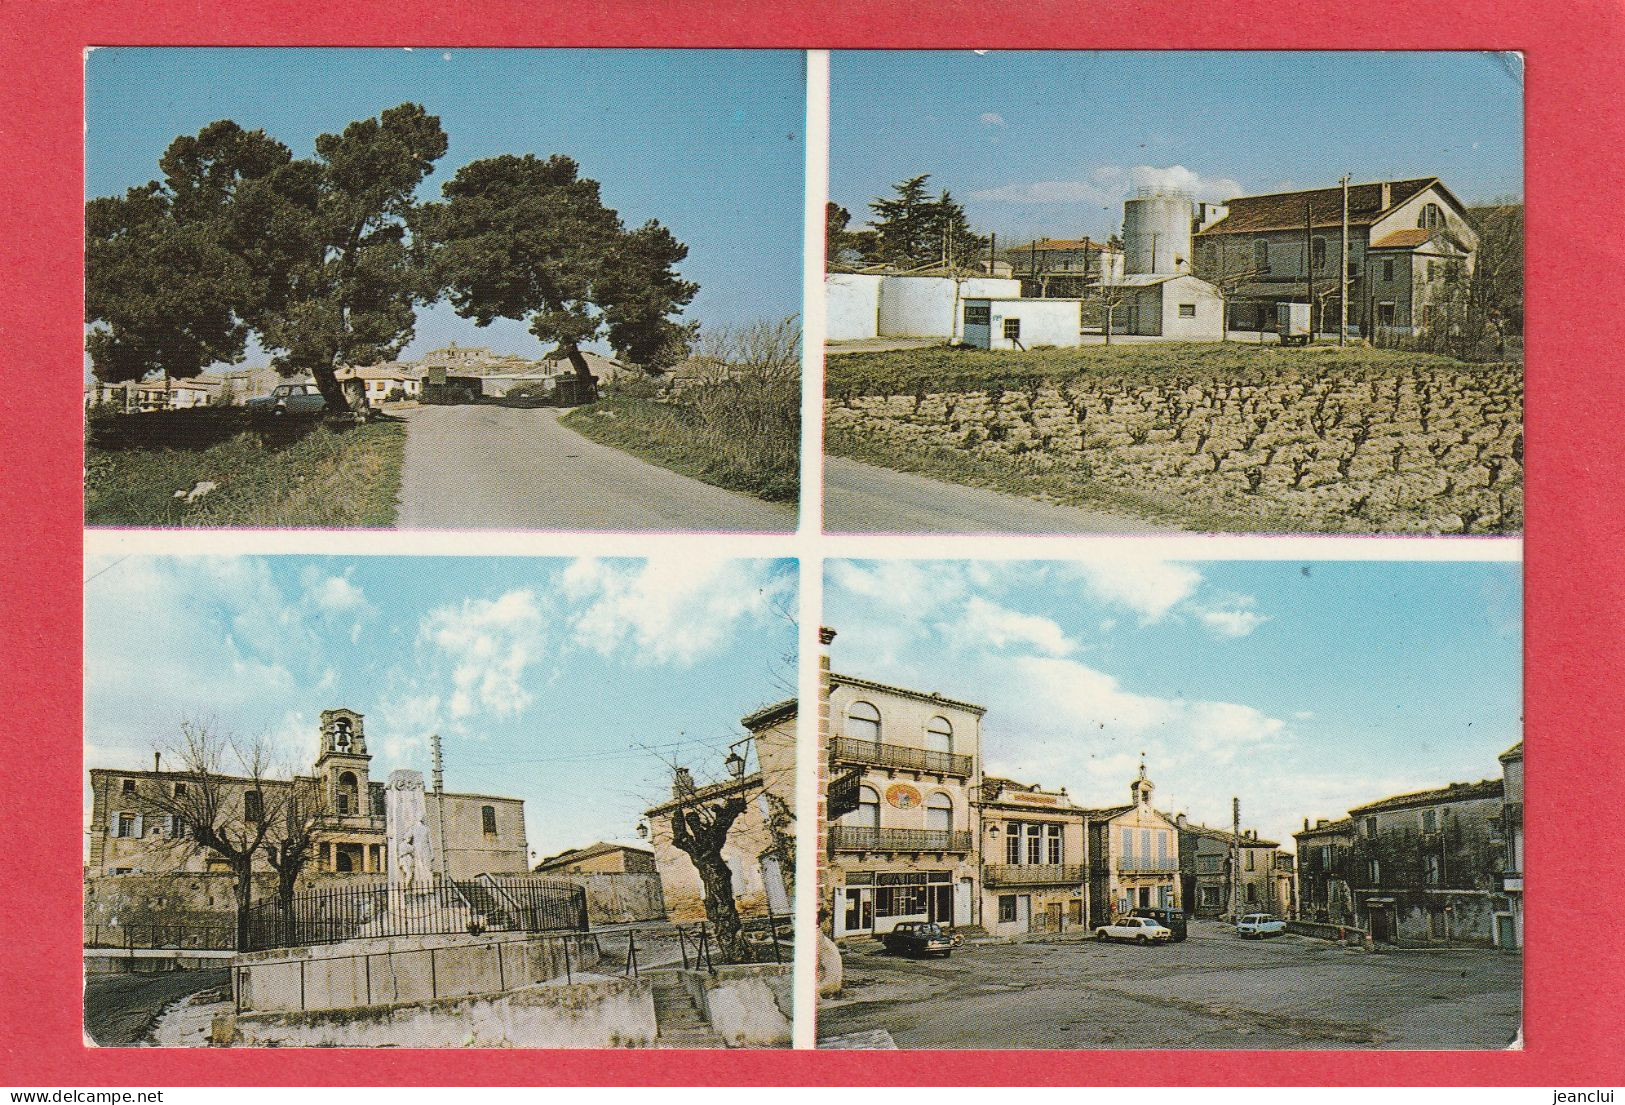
x,y
406,826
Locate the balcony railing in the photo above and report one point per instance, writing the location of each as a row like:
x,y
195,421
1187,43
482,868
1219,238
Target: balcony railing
x,y
865,838
900,756
1032,874
1139,865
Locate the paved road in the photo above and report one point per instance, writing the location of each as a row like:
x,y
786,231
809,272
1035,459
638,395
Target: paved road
x,y
1211,991
120,1009
488,467
864,498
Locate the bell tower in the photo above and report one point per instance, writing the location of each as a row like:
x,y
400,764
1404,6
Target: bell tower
x,y
341,764
1142,787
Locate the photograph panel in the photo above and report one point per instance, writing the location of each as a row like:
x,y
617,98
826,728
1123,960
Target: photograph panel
x,y
1164,291
439,802
444,289
1122,802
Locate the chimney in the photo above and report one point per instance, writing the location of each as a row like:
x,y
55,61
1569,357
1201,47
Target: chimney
x,y
1306,824
682,782
1387,195
156,758
1180,820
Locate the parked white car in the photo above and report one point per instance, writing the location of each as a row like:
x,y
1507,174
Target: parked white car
x,y
1141,930
1258,925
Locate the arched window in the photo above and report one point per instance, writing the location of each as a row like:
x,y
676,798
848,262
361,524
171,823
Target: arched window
x,y
863,722
488,819
1432,216
939,735
939,812
341,734
868,812
346,799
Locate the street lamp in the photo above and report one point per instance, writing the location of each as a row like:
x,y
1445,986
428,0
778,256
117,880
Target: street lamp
x,y
735,764
643,830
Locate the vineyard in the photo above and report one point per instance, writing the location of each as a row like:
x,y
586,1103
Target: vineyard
x,y
1237,438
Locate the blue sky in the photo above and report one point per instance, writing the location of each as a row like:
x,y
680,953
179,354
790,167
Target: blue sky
x,y
565,683
1301,688
1048,144
708,142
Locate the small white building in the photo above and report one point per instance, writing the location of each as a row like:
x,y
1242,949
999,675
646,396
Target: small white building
x,y
851,306
870,305
1176,307
1015,323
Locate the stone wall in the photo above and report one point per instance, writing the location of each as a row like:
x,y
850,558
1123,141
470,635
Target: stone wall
x,y
748,1005
1396,450
615,898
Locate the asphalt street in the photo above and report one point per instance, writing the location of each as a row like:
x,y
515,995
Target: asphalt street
x,y
489,467
1213,991
120,1009
865,498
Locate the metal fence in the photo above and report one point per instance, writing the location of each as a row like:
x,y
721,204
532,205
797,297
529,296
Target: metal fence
x,y
849,750
447,907
185,936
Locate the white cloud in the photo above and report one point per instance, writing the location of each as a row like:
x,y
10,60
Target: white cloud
x,y
337,594
992,119
1180,179
1109,185
1234,617
1040,192
490,644
989,624
1145,585
672,610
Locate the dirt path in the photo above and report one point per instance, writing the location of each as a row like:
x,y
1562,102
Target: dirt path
x,y
488,467
120,1009
863,498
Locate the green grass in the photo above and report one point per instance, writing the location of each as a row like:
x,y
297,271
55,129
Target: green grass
x,y
751,443
941,368
285,474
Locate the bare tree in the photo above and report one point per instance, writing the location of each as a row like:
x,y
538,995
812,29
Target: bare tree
x,y
700,828
290,845
221,801
1111,297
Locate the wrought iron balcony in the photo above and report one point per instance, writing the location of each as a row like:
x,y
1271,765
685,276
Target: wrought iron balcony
x,y
848,750
1140,865
865,838
1032,874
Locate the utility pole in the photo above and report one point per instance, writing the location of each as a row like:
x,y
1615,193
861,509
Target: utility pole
x,y
1343,272
992,254
1309,265
1235,858
440,802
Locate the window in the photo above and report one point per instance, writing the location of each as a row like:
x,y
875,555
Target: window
x,y
488,820
253,806
1385,314
1375,871
939,735
1250,859
1145,844
1433,270
1187,310
1252,893
863,721
126,825
1388,268
977,314
1055,850
180,790
1035,844
177,827
1128,845
1326,855
1432,216
1007,908
939,812
1371,826
1261,255
1317,252
868,811
346,798
1430,821
129,786
1012,842
1162,846
1012,329
1430,870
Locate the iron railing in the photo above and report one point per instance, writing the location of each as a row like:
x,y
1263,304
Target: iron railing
x,y
182,936
865,838
1142,865
900,756
444,908
1032,874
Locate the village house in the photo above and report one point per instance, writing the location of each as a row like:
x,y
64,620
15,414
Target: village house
x,y
1409,240
1323,871
469,834
904,771
391,381
1062,266
1133,856
599,859
1034,876
1256,880
760,846
1509,924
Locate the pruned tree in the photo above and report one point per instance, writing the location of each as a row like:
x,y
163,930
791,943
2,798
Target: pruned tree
x,y
222,802
531,239
700,828
290,845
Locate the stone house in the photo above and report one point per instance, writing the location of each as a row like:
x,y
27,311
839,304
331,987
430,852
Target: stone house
x,y
1062,266
470,834
600,859
1509,924
1323,871
905,774
1409,240
1133,856
1206,858
1034,874
760,849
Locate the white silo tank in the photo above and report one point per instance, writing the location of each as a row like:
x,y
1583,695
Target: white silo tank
x,y
1157,233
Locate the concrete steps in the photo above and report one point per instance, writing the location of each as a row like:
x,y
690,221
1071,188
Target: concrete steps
x,y
678,1020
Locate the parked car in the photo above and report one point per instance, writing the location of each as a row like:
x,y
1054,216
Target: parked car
x,y
919,938
288,399
1171,919
1141,930
1255,926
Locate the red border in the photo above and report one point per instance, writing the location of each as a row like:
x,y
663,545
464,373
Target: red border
x,y
1576,227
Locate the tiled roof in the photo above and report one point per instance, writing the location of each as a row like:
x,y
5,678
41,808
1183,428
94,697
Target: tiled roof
x,y
1284,210
1331,828
1455,792
1243,841
1106,813
767,715
1403,239
1066,244
918,696
1513,753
